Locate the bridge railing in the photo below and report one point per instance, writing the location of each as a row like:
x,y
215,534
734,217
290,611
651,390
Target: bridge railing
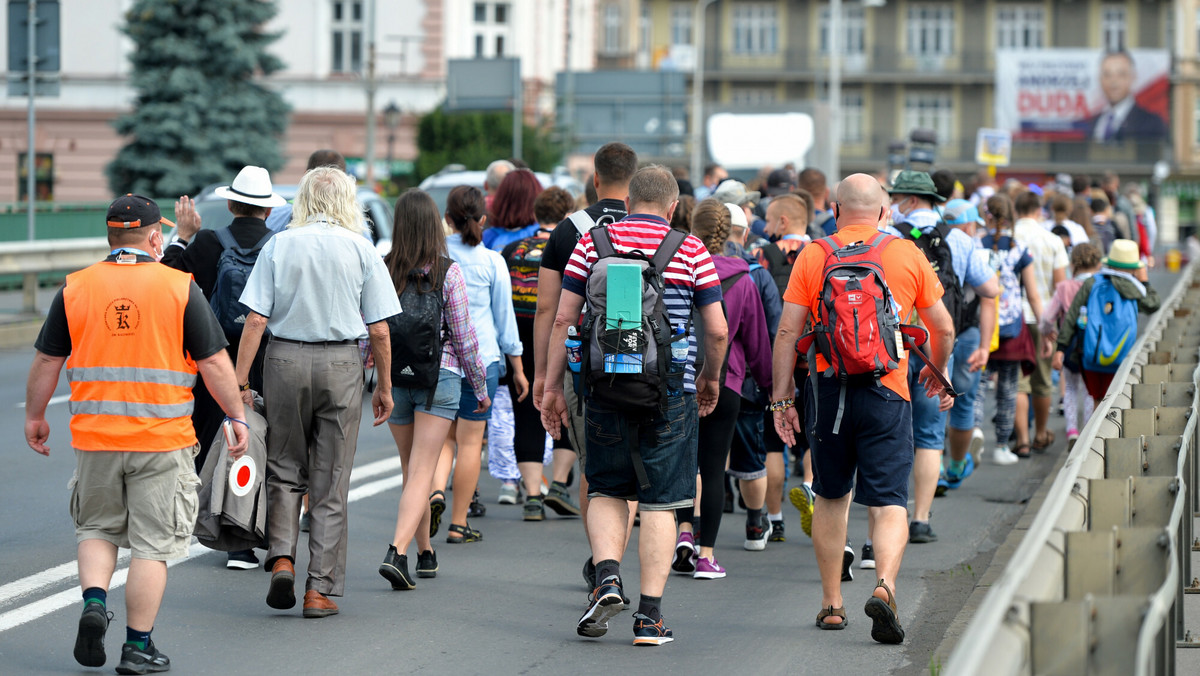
x,y
29,259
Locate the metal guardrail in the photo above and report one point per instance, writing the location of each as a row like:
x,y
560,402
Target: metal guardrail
x,y
29,259
1096,585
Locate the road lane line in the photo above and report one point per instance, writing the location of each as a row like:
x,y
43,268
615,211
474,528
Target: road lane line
x,y
37,609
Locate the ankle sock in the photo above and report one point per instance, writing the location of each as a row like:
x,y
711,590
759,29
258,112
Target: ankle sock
x,y
777,516
648,606
867,542
606,569
137,639
957,466
753,516
95,595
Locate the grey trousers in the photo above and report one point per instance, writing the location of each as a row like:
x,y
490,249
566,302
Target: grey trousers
x,y
313,399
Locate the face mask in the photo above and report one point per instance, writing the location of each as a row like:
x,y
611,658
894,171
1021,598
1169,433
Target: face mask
x,y
897,215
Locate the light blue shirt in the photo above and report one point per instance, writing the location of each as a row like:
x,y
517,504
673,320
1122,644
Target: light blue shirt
x,y
489,292
319,282
970,269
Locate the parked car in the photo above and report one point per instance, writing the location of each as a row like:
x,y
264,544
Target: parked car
x,y
214,213
452,175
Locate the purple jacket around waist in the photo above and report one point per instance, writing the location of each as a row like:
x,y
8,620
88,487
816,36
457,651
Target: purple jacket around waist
x,y
750,344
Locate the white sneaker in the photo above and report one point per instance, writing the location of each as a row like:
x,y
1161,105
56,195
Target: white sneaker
x,y
510,494
1001,455
976,443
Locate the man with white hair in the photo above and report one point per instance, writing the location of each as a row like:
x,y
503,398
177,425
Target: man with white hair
x,y
314,286
496,171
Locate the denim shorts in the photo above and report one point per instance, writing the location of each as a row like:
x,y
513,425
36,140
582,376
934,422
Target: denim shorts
x,y
468,402
874,444
966,383
929,424
748,454
410,400
667,444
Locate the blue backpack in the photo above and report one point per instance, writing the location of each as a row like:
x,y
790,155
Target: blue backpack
x,y
1112,324
233,268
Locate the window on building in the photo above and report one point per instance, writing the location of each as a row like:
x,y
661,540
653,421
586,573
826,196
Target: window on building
x,y
752,97
479,46
1020,26
853,131
1196,121
755,27
499,46
681,23
1112,28
930,110
854,29
645,33
347,25
501,13
481,12
610,40
930,29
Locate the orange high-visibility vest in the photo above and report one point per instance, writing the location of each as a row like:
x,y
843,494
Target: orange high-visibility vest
x,y
131,382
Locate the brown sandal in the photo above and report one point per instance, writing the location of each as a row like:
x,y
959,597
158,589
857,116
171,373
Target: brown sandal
x,y
1041,444
832,612
1021,451
886,625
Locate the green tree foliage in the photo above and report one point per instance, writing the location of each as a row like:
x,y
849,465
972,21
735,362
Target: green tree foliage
x,y
199,116
475,139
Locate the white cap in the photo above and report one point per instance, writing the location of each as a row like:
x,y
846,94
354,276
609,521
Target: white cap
x,y
737,215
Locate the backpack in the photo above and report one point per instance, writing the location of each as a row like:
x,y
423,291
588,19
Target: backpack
x,y
780,264
936,248
823,225
856,327
524,259
698,322
417,332
1010,311
233,269
1111,324
625,361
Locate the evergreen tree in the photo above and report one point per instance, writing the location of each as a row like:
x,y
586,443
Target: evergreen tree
x,y
474,139
199,116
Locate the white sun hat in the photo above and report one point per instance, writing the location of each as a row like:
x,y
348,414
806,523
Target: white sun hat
x,y
252,185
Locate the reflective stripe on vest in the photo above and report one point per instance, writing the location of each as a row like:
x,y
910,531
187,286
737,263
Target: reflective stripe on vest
x,y
131,381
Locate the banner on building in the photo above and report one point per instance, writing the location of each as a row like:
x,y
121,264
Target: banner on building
x,y
1083,94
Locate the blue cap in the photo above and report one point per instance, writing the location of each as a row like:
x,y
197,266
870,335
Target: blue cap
x,y
959,212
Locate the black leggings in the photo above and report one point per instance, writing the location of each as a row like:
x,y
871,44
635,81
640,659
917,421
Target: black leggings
x,y
712,450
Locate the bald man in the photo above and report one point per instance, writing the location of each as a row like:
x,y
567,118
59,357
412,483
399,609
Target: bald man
x,y
875,437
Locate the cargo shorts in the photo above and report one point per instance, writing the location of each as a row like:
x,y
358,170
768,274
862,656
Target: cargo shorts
x,y
144,501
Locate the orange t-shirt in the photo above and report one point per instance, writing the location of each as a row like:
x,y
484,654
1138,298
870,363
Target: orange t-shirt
x,y
908,274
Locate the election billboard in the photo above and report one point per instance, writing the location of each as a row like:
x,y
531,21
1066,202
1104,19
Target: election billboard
x,y
1083,94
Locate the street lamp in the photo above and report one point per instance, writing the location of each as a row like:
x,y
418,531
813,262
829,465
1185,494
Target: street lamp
x,y
698,88
391,119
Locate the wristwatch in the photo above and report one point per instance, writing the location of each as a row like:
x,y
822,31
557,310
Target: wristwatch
x,y
244,387
179,242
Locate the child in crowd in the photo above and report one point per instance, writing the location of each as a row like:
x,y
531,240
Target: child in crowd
x,y
1085,261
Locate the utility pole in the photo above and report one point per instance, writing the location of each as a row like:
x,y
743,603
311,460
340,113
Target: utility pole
x,y
835,89
698,90
370,150
30,161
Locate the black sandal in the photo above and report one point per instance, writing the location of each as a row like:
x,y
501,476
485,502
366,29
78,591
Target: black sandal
x,y
832,612
1018,452
467,534
476,509
886,625
437,507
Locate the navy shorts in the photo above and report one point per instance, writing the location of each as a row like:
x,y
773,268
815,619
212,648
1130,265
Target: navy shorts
x,y
748,454
667,444
874,444
468,402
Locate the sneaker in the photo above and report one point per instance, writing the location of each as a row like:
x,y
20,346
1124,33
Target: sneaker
x,y
533,510
1001,455
802,498
242,560
603,604
648,632
510,493
589,573
756,535
921,532
956,475
394,569
558,499
848,563
148,661
89,642
477,510
684,560
943,486
868,558
977,440
777,534
708,569
427,565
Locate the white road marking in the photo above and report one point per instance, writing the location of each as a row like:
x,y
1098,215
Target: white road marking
x,y
39,581
53,400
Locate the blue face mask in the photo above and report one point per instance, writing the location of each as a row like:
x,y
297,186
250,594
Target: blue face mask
x,y
897,215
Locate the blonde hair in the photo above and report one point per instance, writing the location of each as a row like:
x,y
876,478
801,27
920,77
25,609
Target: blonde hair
x,y
711,222
327,194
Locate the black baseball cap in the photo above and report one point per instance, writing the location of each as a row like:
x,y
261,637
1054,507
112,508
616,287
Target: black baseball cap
x,y
780,181
134,211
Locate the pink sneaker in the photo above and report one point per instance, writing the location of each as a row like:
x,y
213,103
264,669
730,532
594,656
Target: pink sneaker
x,y
685,554
708,569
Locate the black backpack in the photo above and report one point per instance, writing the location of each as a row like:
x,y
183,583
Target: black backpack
x,y
417,332
936,248
233,269
780,264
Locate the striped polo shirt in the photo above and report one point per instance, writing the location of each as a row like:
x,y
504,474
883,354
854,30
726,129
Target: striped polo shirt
x,y
690,278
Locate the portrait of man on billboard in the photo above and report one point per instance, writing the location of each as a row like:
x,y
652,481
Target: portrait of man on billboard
x,y
1122,118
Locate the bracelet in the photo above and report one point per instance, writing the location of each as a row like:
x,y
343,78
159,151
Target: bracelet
x,y
244,387
781,405
242,422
